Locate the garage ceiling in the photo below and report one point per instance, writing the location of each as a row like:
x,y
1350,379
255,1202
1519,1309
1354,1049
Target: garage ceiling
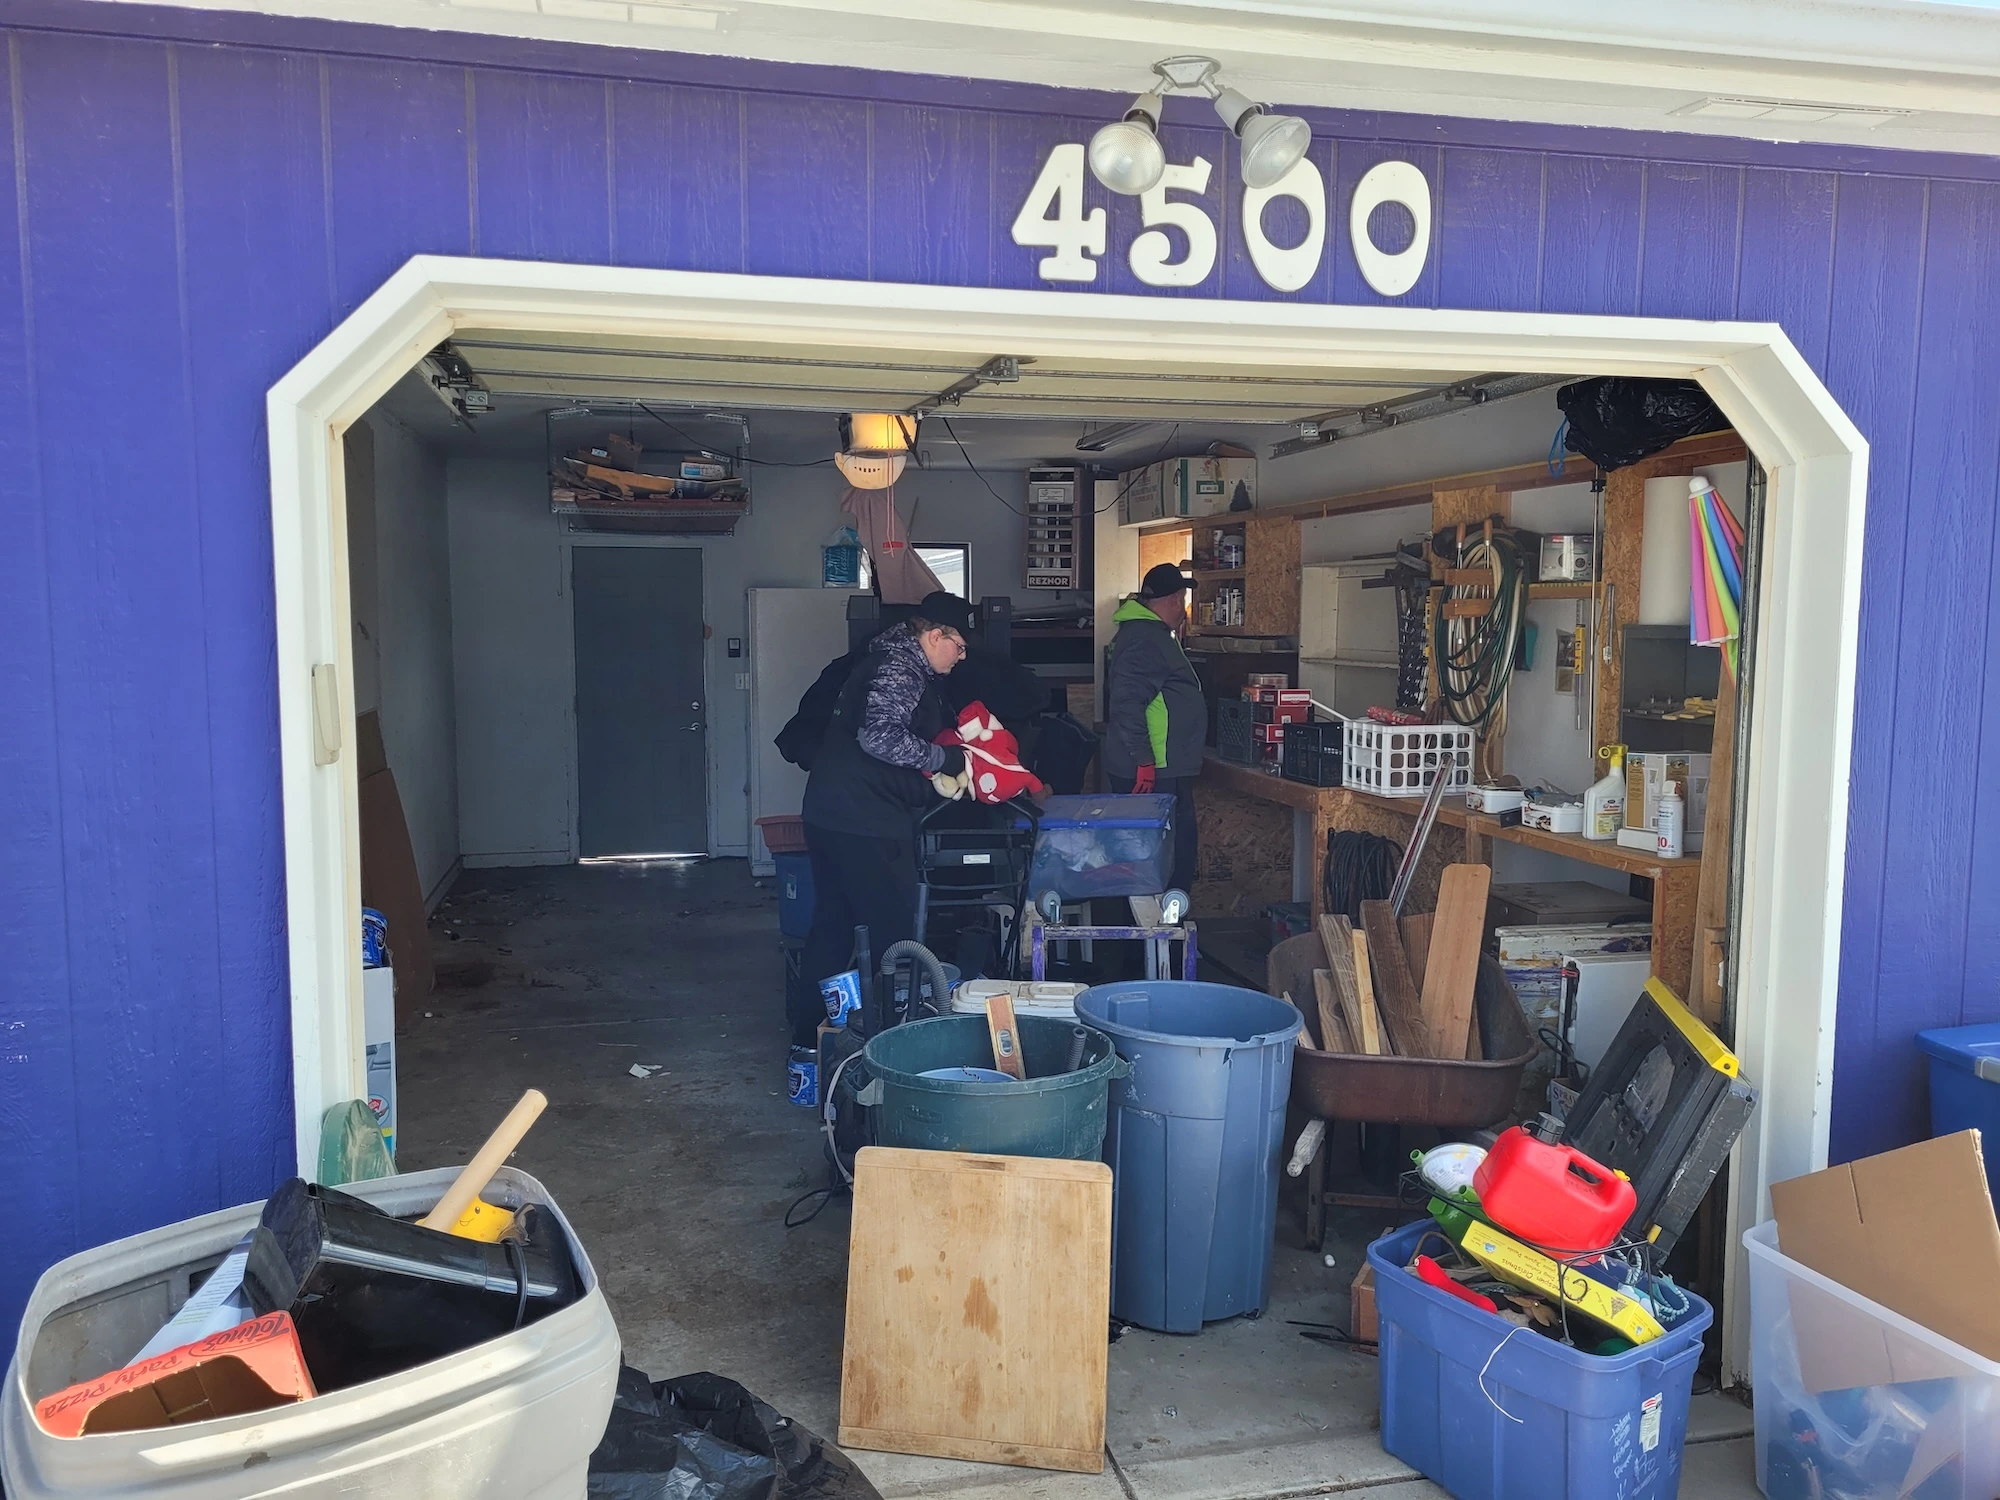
x,y
594,368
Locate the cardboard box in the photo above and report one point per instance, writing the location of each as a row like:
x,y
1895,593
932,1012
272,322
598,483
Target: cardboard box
x,y
1362,1322
251,1367
1911,1229
1646,778
378,1034
1281,713
1185,487
389,884
1080,698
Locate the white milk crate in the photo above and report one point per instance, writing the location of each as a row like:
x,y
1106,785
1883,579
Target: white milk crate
x,y
1398,760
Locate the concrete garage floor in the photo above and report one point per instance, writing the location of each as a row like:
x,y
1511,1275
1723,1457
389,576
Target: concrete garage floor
x,y
562,978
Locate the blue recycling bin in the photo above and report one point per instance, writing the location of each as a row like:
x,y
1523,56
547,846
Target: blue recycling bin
x,y
795,894
1193,1142
1965,1087
1495,1412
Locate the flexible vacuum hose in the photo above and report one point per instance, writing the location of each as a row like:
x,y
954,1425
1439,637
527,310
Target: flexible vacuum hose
x,y
928,963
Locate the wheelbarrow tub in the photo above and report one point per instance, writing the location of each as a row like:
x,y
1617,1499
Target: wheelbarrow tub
x,y
1406,1090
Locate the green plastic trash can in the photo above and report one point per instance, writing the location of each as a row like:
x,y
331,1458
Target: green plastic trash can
x,y
1053,1113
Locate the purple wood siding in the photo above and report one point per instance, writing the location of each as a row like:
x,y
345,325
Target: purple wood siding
x,y
196,204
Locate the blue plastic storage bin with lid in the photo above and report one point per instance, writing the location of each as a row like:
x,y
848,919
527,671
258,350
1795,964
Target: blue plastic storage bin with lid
x,y
1494,1412
1965,1087
1103,845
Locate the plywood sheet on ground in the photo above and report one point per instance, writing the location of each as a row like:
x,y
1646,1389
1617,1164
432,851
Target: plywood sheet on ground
x,y
978,1307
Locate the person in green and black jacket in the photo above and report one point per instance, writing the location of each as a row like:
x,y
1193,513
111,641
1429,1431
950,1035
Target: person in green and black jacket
x,y
1156,715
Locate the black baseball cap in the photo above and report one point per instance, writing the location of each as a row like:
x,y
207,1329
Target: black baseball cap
x,y
947,610
1163,580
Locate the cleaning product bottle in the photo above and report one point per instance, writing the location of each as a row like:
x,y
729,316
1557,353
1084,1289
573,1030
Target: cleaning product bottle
x,y
1604,802
1667,822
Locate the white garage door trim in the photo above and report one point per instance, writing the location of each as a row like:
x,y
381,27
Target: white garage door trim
x,y
1796,785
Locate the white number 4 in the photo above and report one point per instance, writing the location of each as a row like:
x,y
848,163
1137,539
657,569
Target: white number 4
x,y
1052,218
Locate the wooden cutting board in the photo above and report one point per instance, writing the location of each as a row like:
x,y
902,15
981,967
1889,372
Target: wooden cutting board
x,y
978,1308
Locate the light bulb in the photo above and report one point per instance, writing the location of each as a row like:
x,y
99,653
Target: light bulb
x,y
1125,155
1272,144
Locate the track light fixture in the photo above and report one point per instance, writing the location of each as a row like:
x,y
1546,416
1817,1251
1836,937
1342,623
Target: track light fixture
x,y
1271,144
1126,155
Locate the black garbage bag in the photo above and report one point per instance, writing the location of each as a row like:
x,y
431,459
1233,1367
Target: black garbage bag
x,y
1616,420
702,1437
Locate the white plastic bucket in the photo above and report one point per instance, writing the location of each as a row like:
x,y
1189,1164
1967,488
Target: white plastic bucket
x,y
1032,997
513,1417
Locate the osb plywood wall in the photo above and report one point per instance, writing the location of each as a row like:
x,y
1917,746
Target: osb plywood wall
x,y
1246,854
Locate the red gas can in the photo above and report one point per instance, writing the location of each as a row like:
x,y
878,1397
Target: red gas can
x,y
1554,1197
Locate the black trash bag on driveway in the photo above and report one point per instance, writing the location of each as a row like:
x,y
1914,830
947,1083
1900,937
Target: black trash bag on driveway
x,y
702,1437
1616,420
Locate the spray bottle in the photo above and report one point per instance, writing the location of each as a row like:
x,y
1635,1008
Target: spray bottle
x,y
1668,821
1604,801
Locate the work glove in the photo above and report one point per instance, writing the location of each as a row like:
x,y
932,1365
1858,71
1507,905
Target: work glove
x,y
1142,779
954,778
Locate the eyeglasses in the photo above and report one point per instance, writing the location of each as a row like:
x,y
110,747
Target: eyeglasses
x,y
956,640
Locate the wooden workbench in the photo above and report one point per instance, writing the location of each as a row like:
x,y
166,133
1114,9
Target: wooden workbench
x,y
1460,835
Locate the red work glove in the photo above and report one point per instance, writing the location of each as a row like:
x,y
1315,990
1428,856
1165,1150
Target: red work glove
x,y
1142,779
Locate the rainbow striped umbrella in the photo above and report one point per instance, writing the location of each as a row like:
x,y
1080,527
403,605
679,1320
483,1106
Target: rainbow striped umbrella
x,y
1715,570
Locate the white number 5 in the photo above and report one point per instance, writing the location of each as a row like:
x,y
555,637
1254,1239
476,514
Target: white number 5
x,y
1052,218
1150,250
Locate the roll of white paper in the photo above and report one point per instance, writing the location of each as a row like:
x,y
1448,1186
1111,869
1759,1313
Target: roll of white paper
x,y
1663,554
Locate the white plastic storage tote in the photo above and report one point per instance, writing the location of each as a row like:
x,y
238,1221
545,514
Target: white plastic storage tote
x,y
514,1417
1852,1398
1398,760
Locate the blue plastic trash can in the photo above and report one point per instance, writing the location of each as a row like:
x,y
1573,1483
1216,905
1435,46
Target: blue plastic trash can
x,y
1494,1412
1193,1143
1965,1087
795,894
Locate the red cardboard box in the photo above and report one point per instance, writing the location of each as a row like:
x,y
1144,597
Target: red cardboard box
x,y
251,1367
1277,695
1281,713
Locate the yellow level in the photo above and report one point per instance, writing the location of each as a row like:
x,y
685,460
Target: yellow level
x,y
1512,1261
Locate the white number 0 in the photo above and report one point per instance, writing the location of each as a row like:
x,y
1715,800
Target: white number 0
x,y
1287,270
1150,250
1052,218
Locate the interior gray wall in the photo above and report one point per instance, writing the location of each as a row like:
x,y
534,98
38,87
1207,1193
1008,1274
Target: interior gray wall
x,y
1499,434
413,642
514,650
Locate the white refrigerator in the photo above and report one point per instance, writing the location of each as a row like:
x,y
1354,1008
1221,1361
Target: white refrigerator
x,y
794,633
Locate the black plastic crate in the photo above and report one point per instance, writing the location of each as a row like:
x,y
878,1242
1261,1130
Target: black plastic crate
x,y
1235,737
1313,753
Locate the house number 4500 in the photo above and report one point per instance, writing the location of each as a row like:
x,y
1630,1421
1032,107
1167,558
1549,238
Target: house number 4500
x,y
1052,218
